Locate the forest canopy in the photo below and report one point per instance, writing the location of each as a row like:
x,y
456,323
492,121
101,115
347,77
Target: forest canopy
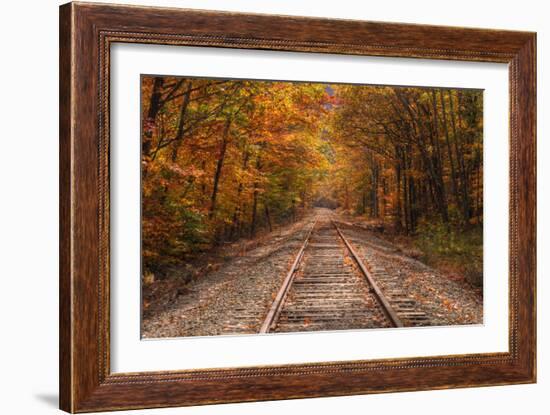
x,y
226,159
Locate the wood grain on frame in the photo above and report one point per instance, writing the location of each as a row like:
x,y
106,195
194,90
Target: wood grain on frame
x,y
86,32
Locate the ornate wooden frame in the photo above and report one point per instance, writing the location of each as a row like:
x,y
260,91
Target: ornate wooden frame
x,y
86,33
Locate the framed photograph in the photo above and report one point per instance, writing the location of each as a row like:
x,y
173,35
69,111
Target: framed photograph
x,y
258,207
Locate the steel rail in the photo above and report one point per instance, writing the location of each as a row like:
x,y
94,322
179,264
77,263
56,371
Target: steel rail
x,y
386,306
277,304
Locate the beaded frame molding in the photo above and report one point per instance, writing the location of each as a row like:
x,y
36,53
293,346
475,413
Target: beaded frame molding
x,y
86,33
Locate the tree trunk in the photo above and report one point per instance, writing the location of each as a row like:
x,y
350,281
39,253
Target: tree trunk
x,y
267,217
219,166
449,150
237,213
255,200
437,162
398,224
181,123
413,208
374,187
462,170
407,203
149,122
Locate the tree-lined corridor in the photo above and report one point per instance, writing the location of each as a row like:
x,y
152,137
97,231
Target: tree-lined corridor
x,y
224,160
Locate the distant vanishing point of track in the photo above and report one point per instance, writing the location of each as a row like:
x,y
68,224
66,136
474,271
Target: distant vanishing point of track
x,y
329,287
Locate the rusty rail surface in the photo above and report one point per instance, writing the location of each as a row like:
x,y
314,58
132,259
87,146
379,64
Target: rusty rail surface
x,y
275,309
329,293
384,302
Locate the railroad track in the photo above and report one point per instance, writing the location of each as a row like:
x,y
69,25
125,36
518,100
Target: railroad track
x,y
329,287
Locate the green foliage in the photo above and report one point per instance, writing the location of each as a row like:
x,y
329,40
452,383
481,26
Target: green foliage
x,y
455,248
